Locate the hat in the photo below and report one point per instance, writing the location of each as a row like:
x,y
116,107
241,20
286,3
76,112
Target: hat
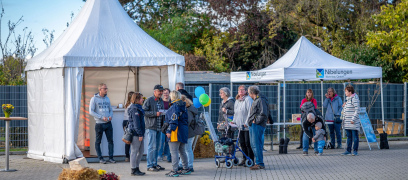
x,y
159,87
319,124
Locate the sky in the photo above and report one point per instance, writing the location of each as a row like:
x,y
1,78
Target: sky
x,y
39,14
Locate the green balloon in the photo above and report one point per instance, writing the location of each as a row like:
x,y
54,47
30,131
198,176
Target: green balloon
x,y
204,99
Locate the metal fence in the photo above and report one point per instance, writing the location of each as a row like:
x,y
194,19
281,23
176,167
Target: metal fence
x,y
395,98
17,96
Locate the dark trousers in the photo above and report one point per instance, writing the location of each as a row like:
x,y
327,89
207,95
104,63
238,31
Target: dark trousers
x,y
245,143
99,129
127,146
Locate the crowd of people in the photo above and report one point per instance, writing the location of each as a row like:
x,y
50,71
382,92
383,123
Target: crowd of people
x,y
166,117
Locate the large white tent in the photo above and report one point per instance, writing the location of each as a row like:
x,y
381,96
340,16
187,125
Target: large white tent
x,y
306,62
102,44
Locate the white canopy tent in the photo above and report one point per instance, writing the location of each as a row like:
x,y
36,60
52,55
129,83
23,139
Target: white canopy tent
x,y
102,44
306,62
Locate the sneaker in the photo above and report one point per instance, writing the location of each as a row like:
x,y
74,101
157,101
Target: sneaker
x,y
319,154
180,168
304,153
184,172
158,167
355,153
346,153
257,167
339,146
154,169
315,153
172,174
261,167
102,161
127,159
300,147
112,161
191,169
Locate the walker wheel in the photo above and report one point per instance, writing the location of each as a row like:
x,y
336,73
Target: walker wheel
x,y
249,163
217,163
235,161
228,164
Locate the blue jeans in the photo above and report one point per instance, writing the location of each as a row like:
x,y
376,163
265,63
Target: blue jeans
x,y
190,154
99,129
352,135
164,147
320,146
306,141
152,148
335,128
257,142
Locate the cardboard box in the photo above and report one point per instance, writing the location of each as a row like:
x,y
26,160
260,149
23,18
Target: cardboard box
x,y
296,118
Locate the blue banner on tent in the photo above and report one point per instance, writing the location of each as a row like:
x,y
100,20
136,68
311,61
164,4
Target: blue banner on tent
x,y
367,127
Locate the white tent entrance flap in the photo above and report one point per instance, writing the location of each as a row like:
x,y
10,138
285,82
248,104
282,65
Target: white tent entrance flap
x,y
102,45
306,62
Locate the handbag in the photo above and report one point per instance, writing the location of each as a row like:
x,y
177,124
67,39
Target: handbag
x,y
336,118
128,136
198,125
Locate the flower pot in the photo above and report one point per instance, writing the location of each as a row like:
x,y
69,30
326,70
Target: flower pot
x,y
7,115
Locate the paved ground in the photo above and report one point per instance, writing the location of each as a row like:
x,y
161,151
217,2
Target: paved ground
x,y
375,164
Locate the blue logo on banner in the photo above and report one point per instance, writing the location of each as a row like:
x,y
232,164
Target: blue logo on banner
x,y
319,73
248,75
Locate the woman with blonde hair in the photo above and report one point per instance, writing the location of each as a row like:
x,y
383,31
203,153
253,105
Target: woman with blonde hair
x,y
192,113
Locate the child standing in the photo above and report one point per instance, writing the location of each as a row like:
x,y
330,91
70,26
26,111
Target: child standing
x,y
319,137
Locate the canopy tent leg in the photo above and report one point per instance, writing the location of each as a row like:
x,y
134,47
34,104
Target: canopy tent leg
x,y
279,110
284,109
382,105
321,88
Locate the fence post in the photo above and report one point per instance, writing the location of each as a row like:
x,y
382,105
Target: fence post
x,y
405,108
209,93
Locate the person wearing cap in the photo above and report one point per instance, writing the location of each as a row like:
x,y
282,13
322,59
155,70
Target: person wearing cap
x,y
154,108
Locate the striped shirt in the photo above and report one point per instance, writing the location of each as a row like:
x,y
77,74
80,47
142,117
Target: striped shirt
x,y
350,113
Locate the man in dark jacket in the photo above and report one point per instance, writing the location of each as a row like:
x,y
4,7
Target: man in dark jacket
x,y
180,88
309,130
154,107
258,116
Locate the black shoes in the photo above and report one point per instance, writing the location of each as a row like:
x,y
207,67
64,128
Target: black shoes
x,y
137,172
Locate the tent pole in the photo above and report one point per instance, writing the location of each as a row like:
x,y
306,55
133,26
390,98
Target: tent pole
x,y
405,109
321,84
279,110
382,105
284,109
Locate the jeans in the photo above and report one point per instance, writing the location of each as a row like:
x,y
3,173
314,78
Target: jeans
x,y
257,142
137,151
164,147
245,142
190,154
352,135
127,146
176,149
306,141
99,129
154,138
335,128
301,138
320,146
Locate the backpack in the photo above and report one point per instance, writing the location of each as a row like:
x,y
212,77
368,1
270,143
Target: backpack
x,y
197,125
307,107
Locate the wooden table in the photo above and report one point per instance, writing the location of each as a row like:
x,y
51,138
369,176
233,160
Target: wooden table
x,y
8,140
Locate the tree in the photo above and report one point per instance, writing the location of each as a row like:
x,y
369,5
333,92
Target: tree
x,y
390,36
15,49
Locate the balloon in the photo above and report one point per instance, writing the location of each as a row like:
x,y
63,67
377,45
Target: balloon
x,y
196,102
198,91
209,102
204,99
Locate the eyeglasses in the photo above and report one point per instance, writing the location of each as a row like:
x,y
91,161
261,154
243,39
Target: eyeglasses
x,y
104,88
241,89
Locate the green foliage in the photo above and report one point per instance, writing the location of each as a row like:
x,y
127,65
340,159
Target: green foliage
x,y
10,72
213,51
364,54
390,36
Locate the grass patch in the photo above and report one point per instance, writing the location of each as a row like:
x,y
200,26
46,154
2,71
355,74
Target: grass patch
x,y
15,149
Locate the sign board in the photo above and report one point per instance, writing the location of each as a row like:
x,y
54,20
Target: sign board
x,y
367,127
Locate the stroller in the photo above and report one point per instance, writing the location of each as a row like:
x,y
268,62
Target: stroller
x,y
226,149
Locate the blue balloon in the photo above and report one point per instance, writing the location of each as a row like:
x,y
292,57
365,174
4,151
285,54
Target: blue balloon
x,y
197,103
198,91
